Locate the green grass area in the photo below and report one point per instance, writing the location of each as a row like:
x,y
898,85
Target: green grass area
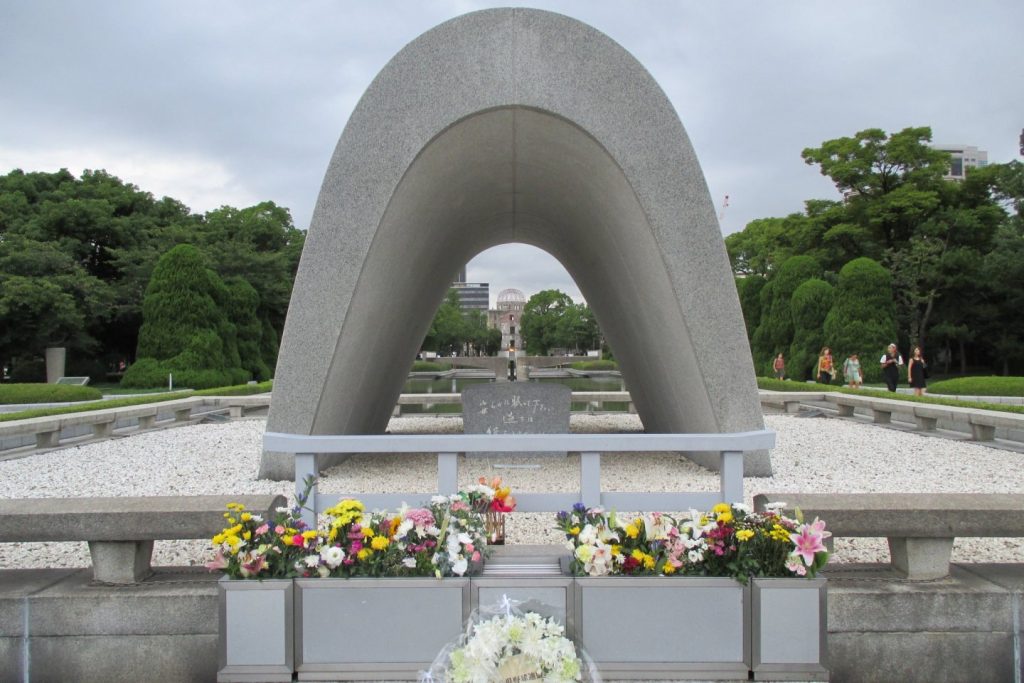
x,y
238,390
113,388
47,393
979,386
772,384
595,365
426,366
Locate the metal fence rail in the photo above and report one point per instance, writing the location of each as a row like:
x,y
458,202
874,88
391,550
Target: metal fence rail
x,y
731,448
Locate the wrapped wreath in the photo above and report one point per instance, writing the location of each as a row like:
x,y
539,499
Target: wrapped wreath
x,y
509,646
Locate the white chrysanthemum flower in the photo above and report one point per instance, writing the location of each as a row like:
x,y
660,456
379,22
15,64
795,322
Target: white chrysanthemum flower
x,y
409,562
332,556
311,560
405,527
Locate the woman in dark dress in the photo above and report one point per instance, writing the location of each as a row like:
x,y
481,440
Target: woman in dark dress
x,y
916,372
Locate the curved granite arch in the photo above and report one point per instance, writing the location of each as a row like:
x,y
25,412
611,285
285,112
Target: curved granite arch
x,y
513,125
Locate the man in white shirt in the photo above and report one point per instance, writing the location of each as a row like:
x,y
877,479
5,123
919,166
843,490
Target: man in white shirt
x,y
891,361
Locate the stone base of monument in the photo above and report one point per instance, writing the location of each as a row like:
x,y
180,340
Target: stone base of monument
x,y
516,408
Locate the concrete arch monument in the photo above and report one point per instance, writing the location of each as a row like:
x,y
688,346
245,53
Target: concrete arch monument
x,y
513,125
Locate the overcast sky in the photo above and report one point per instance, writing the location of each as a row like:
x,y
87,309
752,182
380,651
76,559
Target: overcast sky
x,y
239,102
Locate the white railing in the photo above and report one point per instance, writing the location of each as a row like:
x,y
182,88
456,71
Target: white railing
x,y
731,448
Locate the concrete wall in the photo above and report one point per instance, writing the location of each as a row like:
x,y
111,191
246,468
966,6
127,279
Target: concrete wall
x,y
881,629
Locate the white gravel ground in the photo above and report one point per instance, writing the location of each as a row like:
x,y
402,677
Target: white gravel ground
x,y
811,455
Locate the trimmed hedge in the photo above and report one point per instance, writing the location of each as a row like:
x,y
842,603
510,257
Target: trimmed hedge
x,y
47,393
979,386
426,366
595,365
238,390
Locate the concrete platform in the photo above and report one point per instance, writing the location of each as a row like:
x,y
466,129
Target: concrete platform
x,y
881,628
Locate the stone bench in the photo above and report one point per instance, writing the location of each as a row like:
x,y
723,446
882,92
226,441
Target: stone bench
x,y
121,531
985,422
238,406
920,527
47,429
790,400
881,408
982,423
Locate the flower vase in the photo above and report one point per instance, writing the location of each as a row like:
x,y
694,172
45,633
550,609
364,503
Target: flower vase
x,y
255,638
789,630
495,524
679,627
375,628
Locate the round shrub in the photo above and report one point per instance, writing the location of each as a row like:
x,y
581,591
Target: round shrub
x,y
810,304
863,316
185,330
775,333
145,373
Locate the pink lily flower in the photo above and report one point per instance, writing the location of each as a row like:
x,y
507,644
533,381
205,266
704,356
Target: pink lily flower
x,y
217,563
254,566
807,542
818,526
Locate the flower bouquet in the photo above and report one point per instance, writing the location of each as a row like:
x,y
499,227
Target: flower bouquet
x,y
503,643
252,547
493,500
728,541
446,538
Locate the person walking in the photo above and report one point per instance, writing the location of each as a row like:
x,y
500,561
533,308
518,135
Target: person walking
x,y
917,372
824,370
891,362
779,366
851,370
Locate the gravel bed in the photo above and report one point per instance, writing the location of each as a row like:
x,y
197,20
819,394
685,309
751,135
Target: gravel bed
x,y
812,454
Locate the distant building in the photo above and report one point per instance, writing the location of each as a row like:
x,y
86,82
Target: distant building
x,y
963,157
507,318
473,296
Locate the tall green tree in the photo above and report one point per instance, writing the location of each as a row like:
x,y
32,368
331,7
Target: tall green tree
x,y
540,321
448,329
46,299
577,329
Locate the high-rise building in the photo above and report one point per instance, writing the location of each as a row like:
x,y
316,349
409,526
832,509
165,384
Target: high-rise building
x,y
963,157
473,296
